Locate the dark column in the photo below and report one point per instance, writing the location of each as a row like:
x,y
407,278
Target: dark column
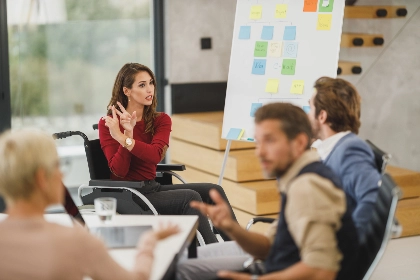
x,y
5,109
159,51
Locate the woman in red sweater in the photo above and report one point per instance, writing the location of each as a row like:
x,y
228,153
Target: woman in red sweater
x,y
134,138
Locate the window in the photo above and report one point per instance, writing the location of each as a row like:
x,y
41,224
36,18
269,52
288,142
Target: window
x,y
65,54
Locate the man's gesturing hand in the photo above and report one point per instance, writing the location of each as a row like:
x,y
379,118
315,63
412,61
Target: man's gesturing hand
x,y
218,213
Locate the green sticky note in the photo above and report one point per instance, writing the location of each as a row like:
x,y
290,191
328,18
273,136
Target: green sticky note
x,y
260,49
288,67
326,6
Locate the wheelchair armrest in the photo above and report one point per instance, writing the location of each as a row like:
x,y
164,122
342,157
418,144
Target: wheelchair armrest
x,y
116,184
140,195
259,219
170,167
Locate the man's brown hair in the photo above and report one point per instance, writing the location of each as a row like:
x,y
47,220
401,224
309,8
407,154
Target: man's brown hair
x,y
293,120
341,101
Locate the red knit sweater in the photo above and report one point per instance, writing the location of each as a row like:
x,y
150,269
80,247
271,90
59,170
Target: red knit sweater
x,y
139,164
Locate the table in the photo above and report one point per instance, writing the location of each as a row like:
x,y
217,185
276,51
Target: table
x,y
166,250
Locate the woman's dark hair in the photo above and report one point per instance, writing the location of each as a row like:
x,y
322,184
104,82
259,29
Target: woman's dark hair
x,y
341,101
126,78
293,120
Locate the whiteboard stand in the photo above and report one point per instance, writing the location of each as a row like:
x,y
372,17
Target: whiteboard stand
x,y
222,172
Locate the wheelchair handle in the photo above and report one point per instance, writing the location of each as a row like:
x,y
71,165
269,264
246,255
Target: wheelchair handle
x,y
65,134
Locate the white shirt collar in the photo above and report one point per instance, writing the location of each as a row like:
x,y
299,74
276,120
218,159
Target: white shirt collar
x,y
325,147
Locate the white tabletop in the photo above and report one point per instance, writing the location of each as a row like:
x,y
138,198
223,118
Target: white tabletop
x,y
165,250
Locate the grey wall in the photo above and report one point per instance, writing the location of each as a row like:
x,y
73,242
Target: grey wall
x,y
187,22
389,84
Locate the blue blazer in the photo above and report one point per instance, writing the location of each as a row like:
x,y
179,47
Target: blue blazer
x,y
354,163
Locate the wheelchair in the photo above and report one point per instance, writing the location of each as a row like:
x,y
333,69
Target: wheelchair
x,y
123,191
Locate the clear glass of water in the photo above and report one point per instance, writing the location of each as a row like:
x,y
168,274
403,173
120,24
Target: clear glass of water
x,y
105,208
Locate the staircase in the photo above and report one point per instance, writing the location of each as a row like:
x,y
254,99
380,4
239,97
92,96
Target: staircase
x,y
357,40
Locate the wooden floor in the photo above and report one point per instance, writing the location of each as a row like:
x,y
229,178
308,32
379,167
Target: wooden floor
x,y
401,260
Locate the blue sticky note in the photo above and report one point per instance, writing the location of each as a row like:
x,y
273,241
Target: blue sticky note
x,y
235,134
254,108
245,32
307,109
258,67
290,49
267,33
289,33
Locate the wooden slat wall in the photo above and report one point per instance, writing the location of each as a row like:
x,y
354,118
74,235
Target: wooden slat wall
x,y
369,40
375,12
204,129
349,68
408,180
241,166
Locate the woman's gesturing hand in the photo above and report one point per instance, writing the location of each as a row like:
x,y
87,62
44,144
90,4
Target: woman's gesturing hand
x,y
113,124
127,121
165,231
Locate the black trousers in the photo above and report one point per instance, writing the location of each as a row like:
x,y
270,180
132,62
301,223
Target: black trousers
x,y
175,200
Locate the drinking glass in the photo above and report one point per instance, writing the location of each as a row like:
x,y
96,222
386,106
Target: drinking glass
x,y
105,208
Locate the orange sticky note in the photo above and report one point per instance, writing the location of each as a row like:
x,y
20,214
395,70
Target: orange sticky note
x,y
310,5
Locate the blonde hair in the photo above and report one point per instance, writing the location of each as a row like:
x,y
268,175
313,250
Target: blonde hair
x,y
22,153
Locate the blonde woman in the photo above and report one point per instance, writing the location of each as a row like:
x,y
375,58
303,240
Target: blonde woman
x,y
32,248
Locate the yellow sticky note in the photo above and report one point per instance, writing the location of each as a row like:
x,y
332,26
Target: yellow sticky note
x,y
240,134
324,22
281,11
297,86
256,12
272,86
